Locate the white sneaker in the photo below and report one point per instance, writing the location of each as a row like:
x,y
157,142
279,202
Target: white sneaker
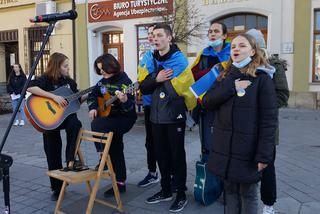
x,y
16,123
21,123
268,210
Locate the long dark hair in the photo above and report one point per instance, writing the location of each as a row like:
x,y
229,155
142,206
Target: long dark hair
x,y
12,73
54,66
110,64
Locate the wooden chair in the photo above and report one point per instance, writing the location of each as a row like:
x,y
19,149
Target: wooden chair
x,y
73,177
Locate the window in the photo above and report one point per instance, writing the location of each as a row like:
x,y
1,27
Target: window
x,y
241,22
316,47
142,40
35,37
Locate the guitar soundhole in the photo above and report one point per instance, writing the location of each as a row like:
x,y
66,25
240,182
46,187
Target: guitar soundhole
x,y
51,108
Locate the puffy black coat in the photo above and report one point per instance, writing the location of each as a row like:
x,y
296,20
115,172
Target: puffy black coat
x,y
244,127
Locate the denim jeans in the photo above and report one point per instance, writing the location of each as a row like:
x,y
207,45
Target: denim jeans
x,y
20,113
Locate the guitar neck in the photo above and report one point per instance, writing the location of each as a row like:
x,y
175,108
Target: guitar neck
x,y
79,94
110,101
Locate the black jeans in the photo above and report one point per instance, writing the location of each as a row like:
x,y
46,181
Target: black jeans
x,y
171,155
268,189
119,126
151,156
53,145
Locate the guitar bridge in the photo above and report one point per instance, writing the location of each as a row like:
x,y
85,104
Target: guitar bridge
x,y
50,107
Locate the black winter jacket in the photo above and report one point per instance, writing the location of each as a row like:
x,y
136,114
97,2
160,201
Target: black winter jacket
x,y
244,127
167,107
16,83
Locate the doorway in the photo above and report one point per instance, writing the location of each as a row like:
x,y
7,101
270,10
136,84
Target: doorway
x,y
113,44
11,56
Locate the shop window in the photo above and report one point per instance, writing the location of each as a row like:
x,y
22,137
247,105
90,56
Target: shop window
x,y
33,38
316,48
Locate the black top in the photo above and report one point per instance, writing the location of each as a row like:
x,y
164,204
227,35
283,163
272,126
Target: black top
x,y
244,127
47,84
117,82
16,83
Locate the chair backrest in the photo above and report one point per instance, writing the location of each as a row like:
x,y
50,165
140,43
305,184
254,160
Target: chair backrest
x,y
94,137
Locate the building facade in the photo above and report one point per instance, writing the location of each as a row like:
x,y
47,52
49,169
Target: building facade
x,y
291,29
20,39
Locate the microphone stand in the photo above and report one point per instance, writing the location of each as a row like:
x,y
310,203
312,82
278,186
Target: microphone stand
x,y
5,160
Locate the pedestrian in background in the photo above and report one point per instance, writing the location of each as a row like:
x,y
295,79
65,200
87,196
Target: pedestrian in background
x,y
245,123
16,81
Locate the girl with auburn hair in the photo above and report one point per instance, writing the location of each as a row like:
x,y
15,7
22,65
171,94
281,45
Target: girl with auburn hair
x,y
244,99
57,75
16,82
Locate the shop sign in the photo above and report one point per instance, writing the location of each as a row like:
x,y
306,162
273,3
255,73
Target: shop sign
x,y
14,3
217,2
121,9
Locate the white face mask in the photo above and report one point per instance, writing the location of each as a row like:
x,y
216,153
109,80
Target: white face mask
x,y
243,63
215,43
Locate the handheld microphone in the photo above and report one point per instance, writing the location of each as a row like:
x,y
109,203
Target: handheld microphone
x,y
71,14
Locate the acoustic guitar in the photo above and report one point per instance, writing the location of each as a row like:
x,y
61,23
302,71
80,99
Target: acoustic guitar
x,y
45,114
104,103
207,186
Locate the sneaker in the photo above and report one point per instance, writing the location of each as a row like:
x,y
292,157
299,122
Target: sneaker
x,y
148,180
110,193
178,204
21,123
268,210
158,197
16,123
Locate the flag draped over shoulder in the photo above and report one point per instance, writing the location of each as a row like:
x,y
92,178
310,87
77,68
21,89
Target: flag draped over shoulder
x,y
223,55
182,77
203,84
145,65
200,87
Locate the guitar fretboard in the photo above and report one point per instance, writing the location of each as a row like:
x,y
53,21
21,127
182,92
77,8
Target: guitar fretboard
x,y
79,94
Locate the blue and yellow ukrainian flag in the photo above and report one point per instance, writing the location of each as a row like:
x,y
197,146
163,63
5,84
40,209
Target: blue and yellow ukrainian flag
x,y
223,55
182,77
200,87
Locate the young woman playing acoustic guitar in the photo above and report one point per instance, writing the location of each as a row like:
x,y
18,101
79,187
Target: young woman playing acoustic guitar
x,y
57,75
121,117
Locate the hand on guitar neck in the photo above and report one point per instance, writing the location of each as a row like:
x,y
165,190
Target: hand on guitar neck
x,y
120,95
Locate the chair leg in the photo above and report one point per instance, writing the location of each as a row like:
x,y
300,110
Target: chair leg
x,y
93,195
114,185
61,196
89,189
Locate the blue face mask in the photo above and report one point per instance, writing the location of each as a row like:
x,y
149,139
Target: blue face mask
x,y
243,63
215,43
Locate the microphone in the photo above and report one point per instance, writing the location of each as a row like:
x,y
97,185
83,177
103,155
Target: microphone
x,y
71,14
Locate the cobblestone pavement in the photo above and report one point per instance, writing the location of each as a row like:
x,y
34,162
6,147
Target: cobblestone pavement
x,y
298,169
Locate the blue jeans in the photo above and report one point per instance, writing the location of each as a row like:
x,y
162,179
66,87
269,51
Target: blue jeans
x,y
20,113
